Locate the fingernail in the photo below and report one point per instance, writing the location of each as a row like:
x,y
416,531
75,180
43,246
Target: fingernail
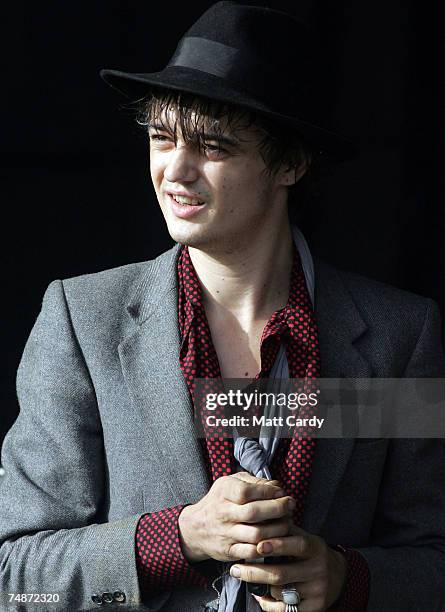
x,y
235,571
279,493
266,547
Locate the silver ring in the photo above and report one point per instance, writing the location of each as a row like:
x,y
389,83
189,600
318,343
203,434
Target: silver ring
x,y
291,597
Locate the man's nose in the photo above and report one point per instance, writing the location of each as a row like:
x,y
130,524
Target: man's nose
x,y
182,166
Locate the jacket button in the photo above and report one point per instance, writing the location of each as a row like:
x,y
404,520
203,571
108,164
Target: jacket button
x,y
119,596
107,597
97,599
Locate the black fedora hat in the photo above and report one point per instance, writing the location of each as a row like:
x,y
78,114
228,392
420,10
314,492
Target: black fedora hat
x,y
252,57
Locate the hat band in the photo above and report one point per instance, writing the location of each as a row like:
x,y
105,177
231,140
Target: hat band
x,y
238,68
206,55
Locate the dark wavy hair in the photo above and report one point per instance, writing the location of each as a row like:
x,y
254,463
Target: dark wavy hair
x,y
196,115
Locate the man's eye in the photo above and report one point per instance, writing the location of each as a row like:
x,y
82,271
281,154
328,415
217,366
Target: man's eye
x,y
159,137
213,148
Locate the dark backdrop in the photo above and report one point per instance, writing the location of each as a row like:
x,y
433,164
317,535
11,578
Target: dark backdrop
x,y
76,191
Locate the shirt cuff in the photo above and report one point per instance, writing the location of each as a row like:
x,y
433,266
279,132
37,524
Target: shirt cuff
x,y
160,562
356,590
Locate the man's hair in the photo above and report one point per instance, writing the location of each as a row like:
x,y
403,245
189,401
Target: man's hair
x,y
278,144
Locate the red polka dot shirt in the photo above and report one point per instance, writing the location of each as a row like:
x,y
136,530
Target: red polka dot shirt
x,y
160,561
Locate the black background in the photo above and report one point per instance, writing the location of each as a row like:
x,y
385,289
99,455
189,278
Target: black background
x,y
76,190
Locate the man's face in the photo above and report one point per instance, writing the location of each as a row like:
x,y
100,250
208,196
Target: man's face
x,y
216,194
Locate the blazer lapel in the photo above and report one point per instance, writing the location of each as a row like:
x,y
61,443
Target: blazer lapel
x,y
150,364
340,329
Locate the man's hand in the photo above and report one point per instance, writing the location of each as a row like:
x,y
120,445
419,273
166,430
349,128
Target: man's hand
x,y
237,513
318,572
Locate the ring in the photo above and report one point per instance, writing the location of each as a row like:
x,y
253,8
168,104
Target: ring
x,y
291,597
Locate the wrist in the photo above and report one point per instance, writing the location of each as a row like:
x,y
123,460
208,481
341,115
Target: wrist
x,y
188,536
341,572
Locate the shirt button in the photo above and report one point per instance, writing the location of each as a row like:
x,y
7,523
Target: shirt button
x,y
107,597
119,596
97,599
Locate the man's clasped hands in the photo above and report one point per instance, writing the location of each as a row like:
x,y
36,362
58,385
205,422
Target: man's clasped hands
x,y
245,518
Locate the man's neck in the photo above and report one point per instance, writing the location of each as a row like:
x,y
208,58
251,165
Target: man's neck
x,y
248,283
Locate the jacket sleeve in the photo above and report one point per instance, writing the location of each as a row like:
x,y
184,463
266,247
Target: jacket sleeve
x,y
407,557
52,540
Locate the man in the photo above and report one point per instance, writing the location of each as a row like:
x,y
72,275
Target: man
x,y
109,498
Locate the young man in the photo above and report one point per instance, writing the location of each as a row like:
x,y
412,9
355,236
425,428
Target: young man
x,y
109,498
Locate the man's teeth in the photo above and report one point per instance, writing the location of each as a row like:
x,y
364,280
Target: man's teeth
x,y
185,200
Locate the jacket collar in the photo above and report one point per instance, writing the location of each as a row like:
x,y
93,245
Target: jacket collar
x,y
157,281
340,325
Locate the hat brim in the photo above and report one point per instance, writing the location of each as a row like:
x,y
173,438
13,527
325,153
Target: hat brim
x,y
136,86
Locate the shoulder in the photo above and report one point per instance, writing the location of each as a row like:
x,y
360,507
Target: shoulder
x,y
377,302
98,304
392,327
117,285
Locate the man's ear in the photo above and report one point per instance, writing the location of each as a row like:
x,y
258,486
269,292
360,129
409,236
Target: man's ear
x,y
292,173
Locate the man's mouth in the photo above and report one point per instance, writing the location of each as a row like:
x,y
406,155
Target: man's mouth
x,y
185,200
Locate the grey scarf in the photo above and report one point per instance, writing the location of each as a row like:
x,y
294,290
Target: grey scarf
x,y
256,456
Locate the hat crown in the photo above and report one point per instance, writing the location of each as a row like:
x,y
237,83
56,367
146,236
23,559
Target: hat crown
x,y
273,37
266,32
261,50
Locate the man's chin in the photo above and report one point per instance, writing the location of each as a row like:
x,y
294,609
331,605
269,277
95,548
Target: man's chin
x,y
195,237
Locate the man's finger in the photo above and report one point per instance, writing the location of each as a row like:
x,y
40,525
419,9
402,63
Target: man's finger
x,y
269,604
243,551
282,573
242,488
264,510
247,477
252,534
300,547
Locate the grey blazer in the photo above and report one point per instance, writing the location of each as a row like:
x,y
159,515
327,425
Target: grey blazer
x,y
106,418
